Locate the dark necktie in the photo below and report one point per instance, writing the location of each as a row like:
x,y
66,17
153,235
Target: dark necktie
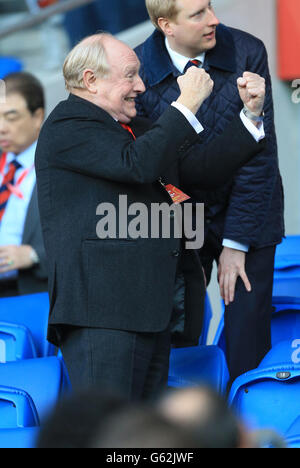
x,y
5,193
192,63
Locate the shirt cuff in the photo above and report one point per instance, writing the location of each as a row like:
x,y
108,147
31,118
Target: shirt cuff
x,y
189,116
258,133
235,245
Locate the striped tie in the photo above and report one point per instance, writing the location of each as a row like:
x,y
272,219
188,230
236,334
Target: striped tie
x,y
5,193
192,63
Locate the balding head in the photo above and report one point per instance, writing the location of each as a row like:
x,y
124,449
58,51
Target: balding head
x,y
105,71
89,54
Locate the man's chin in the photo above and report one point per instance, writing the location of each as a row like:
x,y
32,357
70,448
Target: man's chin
x,y
126,118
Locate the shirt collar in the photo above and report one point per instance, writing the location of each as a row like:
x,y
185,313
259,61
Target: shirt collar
x,y
180,61
26,159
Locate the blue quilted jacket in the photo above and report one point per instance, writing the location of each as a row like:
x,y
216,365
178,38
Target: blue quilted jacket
x,y
249,208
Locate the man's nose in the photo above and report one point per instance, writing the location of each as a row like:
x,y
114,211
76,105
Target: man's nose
x,y
139,85
2,125
213,20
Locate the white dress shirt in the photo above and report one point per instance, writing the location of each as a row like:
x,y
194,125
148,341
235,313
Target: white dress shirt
x,y
13,221
180,62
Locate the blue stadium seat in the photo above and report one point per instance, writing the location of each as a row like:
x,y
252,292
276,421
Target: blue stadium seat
x,y
287,268
43,379
285,323
20,438
17,409
268,397
285,319
198,365
16,343
288,253
9,65
206,321
219,338
292,435
30,311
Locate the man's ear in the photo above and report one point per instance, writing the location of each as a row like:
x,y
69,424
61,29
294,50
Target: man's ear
x,y
166,26
90,80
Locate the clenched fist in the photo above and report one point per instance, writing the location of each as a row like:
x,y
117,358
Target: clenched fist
x,y
252,89
195,86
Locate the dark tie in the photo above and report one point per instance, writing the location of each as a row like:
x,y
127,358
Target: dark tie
x,y
129,129
5,193
192,63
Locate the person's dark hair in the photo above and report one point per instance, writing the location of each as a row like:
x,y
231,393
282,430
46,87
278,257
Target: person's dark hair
x,y
77,418
29,87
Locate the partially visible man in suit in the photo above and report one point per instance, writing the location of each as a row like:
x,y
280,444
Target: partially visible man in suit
x,y
112,295
244,217
23,265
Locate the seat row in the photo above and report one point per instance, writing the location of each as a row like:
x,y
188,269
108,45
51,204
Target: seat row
x,y
33,376
267,397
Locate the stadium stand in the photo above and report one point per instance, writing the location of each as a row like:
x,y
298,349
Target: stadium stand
x,y
199,365
9,65
268,397
29,314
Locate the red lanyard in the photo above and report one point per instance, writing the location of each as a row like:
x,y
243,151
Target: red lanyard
x,y
14,188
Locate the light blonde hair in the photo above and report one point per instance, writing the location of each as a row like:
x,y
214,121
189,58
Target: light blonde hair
x,y
162,9
87,54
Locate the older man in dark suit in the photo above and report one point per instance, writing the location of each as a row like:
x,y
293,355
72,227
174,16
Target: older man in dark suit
x,y
112,295
23,264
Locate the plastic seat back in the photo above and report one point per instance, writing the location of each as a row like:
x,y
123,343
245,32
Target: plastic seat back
x,y
285,323
285,319
206,321
198,365
42,379
16,343
20,438
268,397
9,65
16,409
30,311
287,267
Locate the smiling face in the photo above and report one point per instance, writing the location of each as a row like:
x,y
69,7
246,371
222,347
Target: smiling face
x,y
194,29
116,92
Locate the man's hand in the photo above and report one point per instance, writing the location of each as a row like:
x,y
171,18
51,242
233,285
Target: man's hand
x,y
195,86
252,89
15,257
231,266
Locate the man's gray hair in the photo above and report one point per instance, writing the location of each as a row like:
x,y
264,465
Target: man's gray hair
x,y
87,54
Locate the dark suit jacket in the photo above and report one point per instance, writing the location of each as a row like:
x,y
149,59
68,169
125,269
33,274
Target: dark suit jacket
x,y
34,280
84,158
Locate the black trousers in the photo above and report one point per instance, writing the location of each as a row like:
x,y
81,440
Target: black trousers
x,y
134,365
248,318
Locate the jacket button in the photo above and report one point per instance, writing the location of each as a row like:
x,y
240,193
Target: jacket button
x,y
175,253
